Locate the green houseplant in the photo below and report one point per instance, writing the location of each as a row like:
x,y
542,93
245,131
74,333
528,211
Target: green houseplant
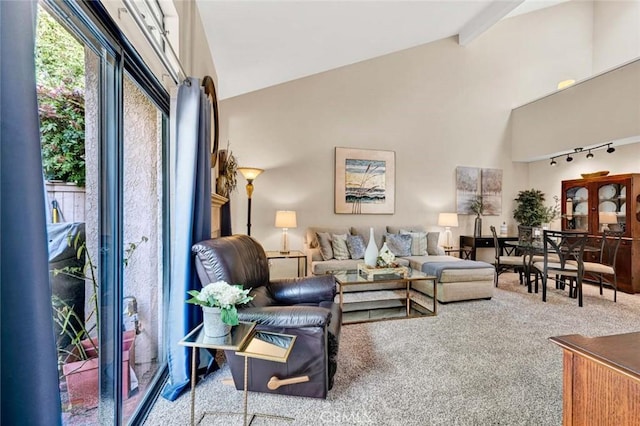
x,y
78,361
477,206
531,210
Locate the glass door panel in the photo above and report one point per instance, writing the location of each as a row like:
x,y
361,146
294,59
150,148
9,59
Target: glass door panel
x,y
612,206
143,265
577,208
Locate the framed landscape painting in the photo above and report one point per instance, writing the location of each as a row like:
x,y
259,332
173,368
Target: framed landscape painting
x,y
364,181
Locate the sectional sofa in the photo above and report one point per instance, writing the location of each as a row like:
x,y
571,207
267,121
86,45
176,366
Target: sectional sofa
x,y
457,279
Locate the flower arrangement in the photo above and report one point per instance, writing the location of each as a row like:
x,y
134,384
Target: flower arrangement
x,y
477,205
224,296
385,258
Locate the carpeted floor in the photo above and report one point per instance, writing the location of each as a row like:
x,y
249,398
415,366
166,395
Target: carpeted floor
x,y
486,362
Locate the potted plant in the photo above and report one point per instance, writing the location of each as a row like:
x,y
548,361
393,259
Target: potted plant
x,y
78,361
531,210
218,301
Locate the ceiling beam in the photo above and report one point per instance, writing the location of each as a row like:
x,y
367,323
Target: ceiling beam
x,y
484,20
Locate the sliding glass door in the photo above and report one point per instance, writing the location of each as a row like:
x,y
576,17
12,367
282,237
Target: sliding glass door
x,y
116,146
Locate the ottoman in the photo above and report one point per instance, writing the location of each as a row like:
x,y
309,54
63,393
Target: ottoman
x,y
457,279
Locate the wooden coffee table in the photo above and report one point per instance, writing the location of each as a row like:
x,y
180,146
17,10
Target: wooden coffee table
x,y
383,297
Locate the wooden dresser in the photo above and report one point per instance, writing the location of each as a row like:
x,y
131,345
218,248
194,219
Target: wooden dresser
x,y
601,379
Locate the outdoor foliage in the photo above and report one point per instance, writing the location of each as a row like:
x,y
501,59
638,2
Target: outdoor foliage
x,y
60,75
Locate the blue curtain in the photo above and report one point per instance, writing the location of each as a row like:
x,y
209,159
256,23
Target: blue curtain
x,y
190,221
30,394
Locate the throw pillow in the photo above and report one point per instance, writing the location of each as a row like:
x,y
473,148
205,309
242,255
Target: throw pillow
x,y
355,244
326,250
399,244
432,243
339,245
418,242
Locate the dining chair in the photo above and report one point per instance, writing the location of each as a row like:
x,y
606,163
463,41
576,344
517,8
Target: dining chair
x,y
563,260
505,263
607,264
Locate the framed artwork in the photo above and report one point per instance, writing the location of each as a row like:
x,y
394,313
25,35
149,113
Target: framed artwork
x,y
472,182
364,181
467,188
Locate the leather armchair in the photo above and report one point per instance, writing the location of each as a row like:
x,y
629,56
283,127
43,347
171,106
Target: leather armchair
x,y
300,306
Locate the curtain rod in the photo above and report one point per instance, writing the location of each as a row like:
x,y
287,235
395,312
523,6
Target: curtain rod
x,y
178,75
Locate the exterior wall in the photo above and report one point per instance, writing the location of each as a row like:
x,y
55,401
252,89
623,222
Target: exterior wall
x,y
437,106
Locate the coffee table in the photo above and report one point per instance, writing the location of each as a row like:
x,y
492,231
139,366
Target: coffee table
x,y
383,297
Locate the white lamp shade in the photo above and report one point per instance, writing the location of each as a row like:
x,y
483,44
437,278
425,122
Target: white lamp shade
x,y
250,173
608,217
286,219
448,219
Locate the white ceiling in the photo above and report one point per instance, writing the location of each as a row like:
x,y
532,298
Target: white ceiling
x,y
257,44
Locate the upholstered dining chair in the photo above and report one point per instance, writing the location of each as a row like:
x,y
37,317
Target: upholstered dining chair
x,y
504,263
607,264
563,260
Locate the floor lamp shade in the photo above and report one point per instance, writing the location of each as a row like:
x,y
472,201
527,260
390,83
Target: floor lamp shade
x,y
249,173
448,220
285,219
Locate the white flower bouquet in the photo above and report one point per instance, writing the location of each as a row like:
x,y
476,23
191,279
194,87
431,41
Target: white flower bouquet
x,y
385,257
224,296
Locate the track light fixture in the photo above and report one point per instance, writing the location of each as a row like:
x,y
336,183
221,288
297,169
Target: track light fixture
x,y
570,154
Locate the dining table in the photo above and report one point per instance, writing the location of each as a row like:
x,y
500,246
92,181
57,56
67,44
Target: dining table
x,y
529,249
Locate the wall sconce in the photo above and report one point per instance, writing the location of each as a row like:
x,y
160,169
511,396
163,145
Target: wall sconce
x,y
448,220
249,174
610,149
285,219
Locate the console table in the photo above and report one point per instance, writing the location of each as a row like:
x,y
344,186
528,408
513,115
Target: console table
x,y
485,241
601,379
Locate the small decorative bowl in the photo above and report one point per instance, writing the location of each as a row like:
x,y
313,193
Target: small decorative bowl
x,y
594,174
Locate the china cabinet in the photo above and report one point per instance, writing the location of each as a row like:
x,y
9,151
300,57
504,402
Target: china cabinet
x,y
610,202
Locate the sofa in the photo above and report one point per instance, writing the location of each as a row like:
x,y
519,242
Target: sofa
x,y
303,307
457,279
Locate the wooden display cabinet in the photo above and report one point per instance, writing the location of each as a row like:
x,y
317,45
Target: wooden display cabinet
x,y
610,201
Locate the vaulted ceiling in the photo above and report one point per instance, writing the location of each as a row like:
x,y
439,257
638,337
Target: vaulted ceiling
x,y
257,44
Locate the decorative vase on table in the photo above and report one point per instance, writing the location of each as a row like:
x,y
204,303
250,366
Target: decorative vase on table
x,y
477,230
371,253
213,325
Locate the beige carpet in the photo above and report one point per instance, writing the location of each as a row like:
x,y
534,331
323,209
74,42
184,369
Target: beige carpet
x,y
486,362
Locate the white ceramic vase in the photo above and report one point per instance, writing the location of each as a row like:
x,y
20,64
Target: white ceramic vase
x,y
386,254
213,325
371,253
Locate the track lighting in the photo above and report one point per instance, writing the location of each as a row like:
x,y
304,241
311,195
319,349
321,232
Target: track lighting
x,y
570,154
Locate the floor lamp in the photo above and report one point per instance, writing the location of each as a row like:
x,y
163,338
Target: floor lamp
x,y
448,220
249,174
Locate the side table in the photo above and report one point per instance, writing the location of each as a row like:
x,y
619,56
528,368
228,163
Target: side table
x,y
293,254
462,252
249,343
235,340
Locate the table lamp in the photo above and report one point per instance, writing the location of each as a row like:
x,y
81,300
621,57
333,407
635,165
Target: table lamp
x,y
285,219
608,220
249,174
448,220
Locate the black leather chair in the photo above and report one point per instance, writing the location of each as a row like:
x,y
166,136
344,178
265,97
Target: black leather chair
x,y
300,306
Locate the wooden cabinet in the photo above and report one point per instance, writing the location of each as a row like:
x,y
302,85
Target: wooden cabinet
x,y
610,201
601,379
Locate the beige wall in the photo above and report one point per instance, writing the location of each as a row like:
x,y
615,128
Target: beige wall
x,y
437,106
616,33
